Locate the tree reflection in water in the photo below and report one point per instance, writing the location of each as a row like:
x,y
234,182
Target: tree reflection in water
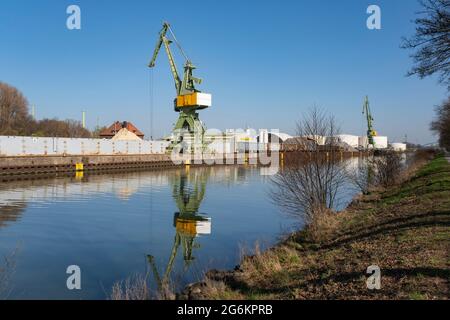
x,y
11,212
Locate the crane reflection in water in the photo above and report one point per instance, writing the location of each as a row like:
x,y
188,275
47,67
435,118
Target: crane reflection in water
x,y
188,190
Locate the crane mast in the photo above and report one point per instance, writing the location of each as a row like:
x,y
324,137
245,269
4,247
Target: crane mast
x,y
188,99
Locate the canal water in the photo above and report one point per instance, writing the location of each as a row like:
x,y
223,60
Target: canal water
x,y
177,223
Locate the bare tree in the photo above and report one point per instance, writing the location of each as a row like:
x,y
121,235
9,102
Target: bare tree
x,y
309,184
15,120
431,41
13,110
97,131
60,128
75,129
362,177
441,125
388,168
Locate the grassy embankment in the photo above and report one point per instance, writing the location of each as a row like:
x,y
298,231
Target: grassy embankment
x,y
405,230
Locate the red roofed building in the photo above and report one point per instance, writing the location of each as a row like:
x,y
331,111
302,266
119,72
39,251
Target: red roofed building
x,y
116,126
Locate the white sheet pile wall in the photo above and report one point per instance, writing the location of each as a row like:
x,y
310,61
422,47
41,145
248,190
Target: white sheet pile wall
x,y
23,146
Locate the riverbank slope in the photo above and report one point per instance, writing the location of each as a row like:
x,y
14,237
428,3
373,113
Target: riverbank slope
x,y
404,230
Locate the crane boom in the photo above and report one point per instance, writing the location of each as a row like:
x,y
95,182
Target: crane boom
x,y
173,68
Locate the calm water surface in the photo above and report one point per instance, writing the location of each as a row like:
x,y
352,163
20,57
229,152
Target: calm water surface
x,y
109,225
116,225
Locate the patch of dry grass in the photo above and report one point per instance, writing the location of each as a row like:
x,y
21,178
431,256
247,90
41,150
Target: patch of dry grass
x,y
137,287
133,288
323,226
273,262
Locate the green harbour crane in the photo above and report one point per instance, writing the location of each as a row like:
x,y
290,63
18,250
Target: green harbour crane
x,y
188,99
370,131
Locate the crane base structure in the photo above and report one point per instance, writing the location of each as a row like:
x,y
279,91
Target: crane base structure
x,y
188,133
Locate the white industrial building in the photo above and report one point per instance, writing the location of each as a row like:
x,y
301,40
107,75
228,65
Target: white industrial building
x,y
351,140
380,142
240,140
266,136
397,146
357,142
251,140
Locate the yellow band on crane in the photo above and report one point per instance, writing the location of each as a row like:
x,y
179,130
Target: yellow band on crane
x,y
187,100
186,226
194,99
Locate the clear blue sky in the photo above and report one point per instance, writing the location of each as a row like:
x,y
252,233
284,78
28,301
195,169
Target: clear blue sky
x,y
265,62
